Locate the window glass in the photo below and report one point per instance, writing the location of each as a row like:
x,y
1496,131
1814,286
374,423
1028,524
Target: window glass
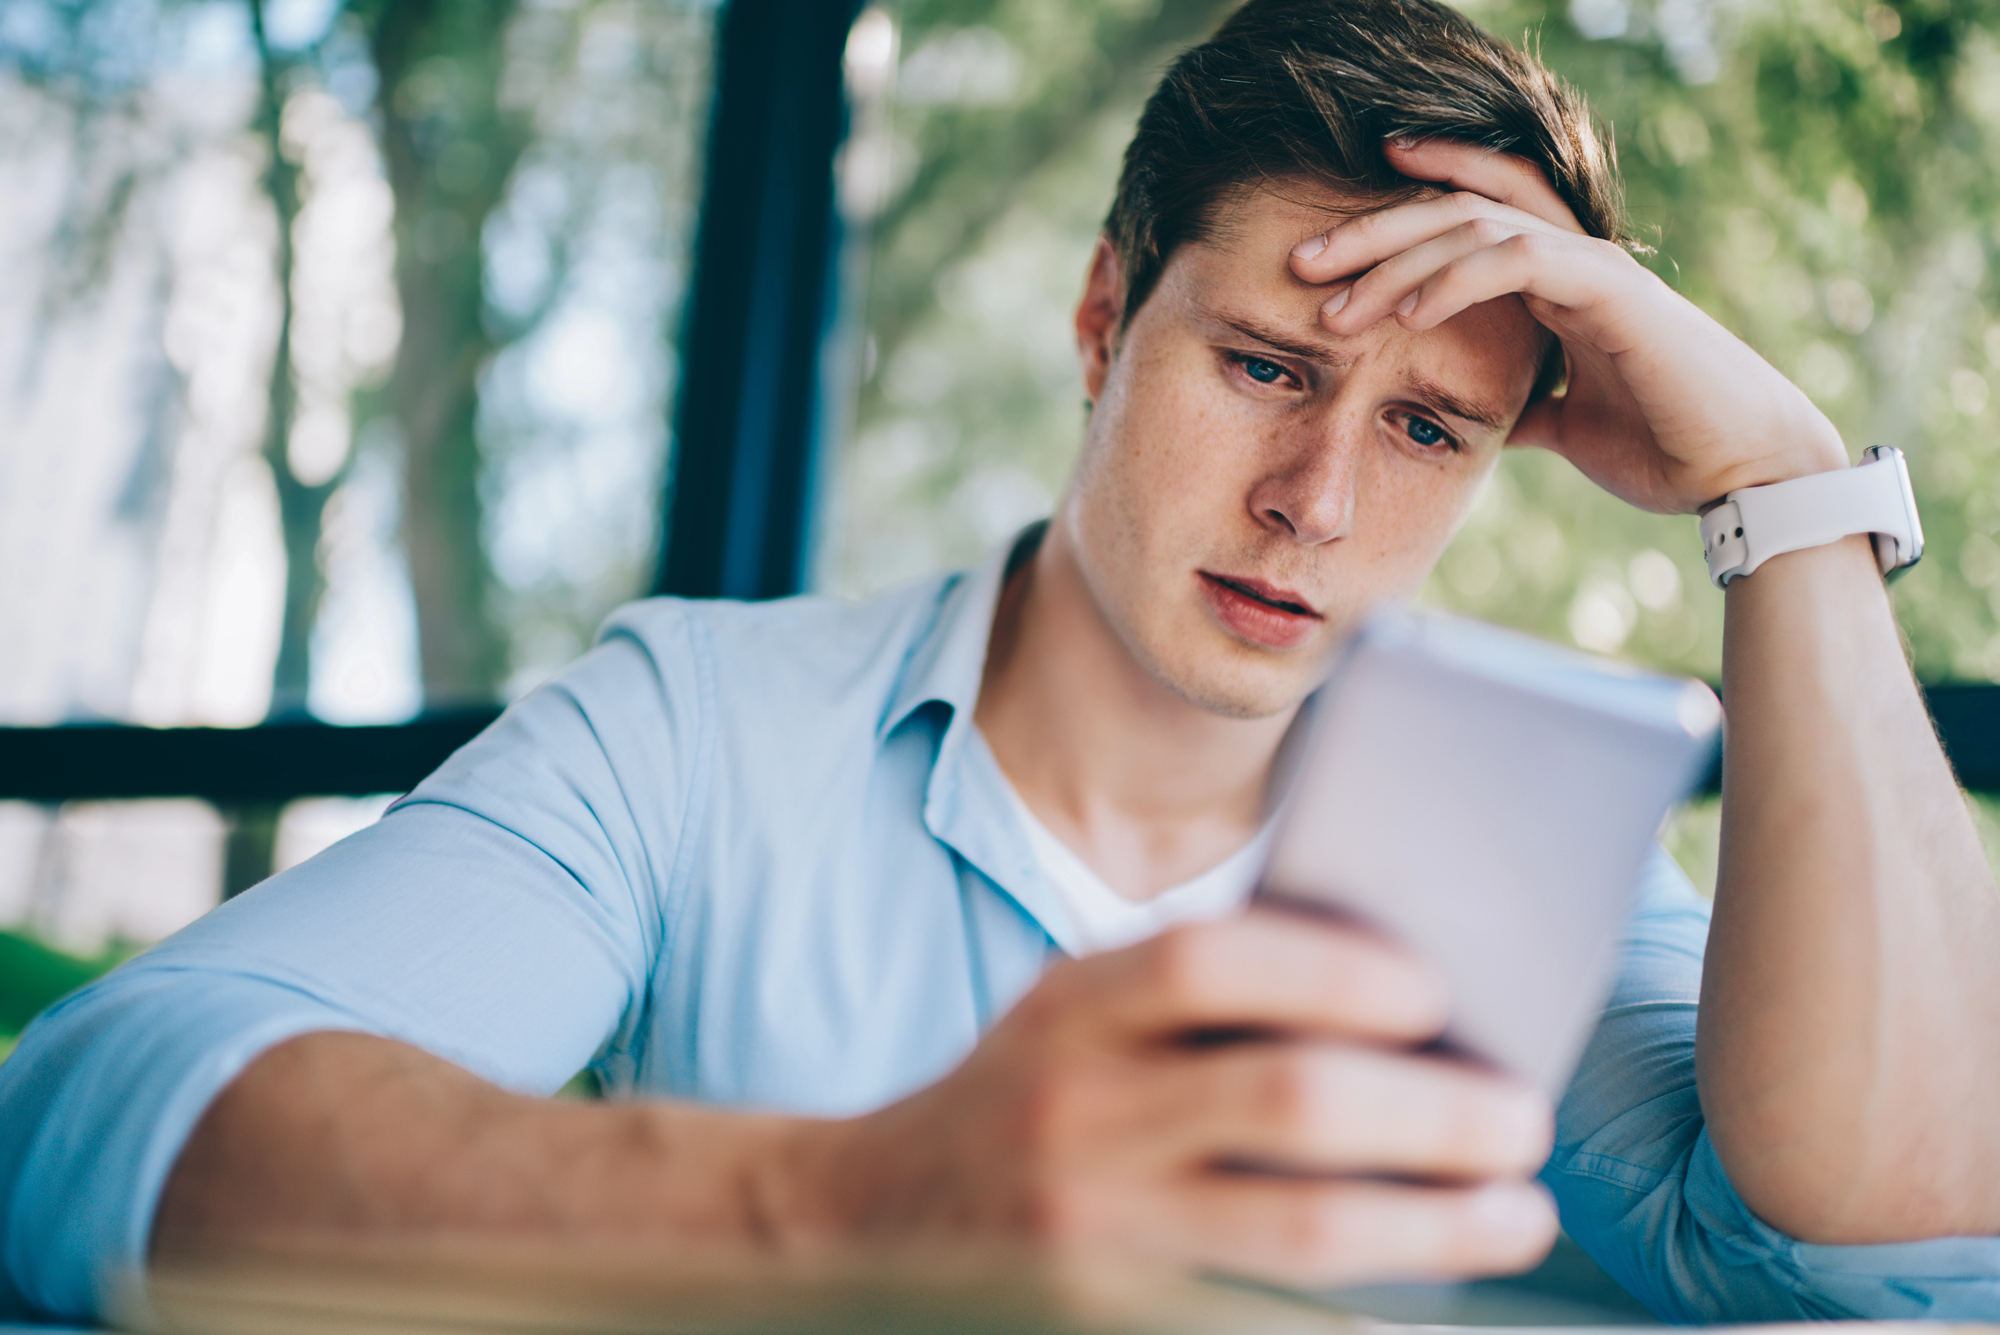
x,y
340,372
335,375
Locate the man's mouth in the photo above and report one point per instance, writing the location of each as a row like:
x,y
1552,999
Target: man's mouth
x,y
1268,594
1263,613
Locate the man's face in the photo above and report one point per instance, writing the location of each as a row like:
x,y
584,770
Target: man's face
x,y
1249,483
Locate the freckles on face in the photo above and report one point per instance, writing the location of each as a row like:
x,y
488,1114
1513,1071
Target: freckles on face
x,y
1239,446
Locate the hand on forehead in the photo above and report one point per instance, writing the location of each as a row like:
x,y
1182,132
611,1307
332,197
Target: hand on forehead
x,y
1500,177
1449,248
1247,274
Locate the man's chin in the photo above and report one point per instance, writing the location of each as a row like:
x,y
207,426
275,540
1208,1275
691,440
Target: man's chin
x,y
1230,687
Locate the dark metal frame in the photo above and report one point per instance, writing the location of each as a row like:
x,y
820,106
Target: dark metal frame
x,y
747,438
747,450
273,762
276,762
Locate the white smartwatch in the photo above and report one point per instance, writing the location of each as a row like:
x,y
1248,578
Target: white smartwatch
x,y
1754,524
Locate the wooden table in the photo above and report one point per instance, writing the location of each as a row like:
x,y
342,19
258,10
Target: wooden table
x,y
488,1288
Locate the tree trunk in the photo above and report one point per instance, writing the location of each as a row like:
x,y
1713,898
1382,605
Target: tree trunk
x,y
300,507
449,149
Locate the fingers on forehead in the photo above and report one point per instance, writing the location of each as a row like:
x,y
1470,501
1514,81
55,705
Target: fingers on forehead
x,y
1375,237
1275,970
1505,177
1441,157
1387,282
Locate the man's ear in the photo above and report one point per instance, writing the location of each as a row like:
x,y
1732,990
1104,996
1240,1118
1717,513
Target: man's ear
x,y
1097,318
1536,426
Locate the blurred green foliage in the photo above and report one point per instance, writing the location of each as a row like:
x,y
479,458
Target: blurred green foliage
x,y
33,976
1002,141
1817,174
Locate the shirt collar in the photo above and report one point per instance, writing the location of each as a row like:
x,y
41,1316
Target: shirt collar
x,y
966,800
949,661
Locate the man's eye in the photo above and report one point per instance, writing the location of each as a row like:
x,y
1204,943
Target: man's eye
x,y
1427,433
1261,371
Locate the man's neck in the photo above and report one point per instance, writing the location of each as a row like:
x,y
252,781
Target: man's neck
x,y
1147,788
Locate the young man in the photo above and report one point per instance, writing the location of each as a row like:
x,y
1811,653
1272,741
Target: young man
x,y
811,871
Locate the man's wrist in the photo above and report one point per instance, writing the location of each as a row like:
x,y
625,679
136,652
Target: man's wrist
x,y
1754,524
1844,566
789,1185
740,1183
1815,453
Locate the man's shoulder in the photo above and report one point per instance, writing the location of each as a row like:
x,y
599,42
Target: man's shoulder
x,y
806,652
804,627
764,688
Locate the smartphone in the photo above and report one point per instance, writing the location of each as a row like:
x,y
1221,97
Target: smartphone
x,y
1488,800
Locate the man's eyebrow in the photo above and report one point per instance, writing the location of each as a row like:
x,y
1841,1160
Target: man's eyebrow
x,y
1422,388
1433,395
1274,338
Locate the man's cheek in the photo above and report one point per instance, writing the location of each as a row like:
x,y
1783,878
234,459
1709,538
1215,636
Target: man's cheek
x,y
1177,465
1414,519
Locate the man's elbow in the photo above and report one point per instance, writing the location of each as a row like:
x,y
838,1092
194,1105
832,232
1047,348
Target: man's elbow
x,y
1845,1181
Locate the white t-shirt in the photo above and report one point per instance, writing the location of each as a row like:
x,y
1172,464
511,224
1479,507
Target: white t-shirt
x,y
1099,918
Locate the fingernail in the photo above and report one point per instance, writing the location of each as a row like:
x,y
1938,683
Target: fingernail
x,y
1310,247
1405,142
1408,304
1336,303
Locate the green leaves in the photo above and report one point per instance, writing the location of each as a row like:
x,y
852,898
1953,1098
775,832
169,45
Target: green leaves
x,y
34,976
1830,196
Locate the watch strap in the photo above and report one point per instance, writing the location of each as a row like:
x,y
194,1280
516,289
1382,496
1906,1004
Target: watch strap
x,y
1754,524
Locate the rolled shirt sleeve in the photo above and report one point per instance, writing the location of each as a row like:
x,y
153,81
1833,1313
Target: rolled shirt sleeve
x,y
1641,1189
502,916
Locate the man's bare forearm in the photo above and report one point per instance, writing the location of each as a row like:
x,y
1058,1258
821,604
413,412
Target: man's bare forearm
x,y
1849,1049
331,1134
1076,1124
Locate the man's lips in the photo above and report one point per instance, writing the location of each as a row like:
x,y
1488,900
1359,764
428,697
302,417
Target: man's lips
x,y
1264,613
1282,599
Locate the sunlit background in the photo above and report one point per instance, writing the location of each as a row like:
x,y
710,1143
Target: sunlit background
x,y
338,343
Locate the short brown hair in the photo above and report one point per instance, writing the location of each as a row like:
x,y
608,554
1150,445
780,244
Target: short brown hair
x,y
1312,89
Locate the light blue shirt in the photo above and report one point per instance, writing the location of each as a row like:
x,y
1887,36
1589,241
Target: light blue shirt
x,y
758,855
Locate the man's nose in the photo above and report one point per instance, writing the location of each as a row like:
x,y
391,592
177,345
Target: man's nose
x,y
1308,495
